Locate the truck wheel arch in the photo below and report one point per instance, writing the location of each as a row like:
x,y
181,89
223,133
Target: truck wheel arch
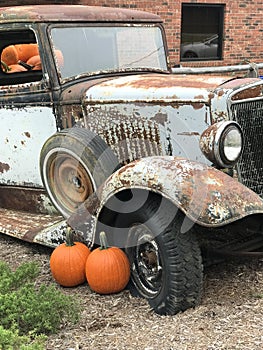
x,y
207,196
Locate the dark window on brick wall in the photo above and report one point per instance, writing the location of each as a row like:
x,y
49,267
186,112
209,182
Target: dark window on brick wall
x,y
201,32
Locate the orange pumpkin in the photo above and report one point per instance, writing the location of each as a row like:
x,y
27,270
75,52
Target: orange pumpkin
x,y
35,62
107,269
15,68
67,262
9,55
25,51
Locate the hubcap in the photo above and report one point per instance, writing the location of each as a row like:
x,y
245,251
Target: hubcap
x,y
147,271
70,182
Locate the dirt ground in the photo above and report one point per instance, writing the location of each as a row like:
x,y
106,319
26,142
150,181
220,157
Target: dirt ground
x,y
229,316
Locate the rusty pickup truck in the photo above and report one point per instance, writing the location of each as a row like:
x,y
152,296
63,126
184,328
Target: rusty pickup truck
x,y
98,133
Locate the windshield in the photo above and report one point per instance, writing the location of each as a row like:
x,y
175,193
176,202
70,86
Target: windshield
x,y
93,49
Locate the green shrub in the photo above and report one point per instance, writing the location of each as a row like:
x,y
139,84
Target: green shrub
x,y
11,340
9,280
30,311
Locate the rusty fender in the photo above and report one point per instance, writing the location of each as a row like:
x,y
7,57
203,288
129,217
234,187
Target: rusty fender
x,y
206,195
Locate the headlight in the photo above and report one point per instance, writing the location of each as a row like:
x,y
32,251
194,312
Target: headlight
x,y
222,143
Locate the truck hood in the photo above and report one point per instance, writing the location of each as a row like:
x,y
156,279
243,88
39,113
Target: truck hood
x,y
159,87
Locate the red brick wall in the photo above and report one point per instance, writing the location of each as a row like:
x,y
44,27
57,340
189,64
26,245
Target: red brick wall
x,y
36,2
243,25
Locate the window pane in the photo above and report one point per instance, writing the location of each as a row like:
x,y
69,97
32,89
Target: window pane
x,y
96,49
201,33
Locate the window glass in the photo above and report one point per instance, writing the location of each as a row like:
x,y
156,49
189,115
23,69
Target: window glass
x,y
115,48
201,32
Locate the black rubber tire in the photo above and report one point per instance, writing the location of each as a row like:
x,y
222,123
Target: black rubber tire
x,y
175,279
73,163
190,54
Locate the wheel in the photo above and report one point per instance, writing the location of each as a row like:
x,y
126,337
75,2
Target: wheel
x,y
190,54
166,265
73,163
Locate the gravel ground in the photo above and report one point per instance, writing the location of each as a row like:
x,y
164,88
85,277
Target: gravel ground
x,y
229,316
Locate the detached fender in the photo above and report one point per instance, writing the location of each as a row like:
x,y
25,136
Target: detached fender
x,y
206,195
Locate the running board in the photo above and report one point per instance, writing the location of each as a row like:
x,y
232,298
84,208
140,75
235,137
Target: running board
x,y
49,230
252,247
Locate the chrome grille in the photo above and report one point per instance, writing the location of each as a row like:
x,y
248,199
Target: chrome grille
x,y
249,115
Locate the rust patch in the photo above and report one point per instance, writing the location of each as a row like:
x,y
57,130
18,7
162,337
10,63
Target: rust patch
x,y
234,83
160,118
198,105
248,93
220,93
193,133
4,167
199,97
129,136
74,13
27,134
154,81
26,226
24,199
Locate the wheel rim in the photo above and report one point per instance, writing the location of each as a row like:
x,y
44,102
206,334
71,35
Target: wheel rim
x,y
70,183
146,265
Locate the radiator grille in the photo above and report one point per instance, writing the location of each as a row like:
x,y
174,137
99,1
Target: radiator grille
x,y
249,115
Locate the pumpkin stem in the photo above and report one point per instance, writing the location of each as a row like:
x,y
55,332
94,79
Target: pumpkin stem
x,y
5,66
69,237
103,241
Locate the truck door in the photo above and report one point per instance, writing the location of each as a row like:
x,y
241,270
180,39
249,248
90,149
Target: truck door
x,y
27,117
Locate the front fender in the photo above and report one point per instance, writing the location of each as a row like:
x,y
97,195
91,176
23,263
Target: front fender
x,y
206,195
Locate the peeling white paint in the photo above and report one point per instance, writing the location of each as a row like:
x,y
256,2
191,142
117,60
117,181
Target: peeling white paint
x,y
25,130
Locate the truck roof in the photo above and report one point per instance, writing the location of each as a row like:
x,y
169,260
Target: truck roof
x,y
69,13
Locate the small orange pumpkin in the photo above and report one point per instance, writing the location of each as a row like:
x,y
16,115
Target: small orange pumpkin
x,y
107,269
35,62
25,51
9,55
67,262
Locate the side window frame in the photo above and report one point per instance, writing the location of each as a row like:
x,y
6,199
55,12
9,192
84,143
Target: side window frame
x,y
13,36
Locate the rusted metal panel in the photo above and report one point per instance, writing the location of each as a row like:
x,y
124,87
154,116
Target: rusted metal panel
x,y
33,200
50,13
22,142
126,129
168,112
201,192
234,90
167,88
136,130
216,69
46,229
